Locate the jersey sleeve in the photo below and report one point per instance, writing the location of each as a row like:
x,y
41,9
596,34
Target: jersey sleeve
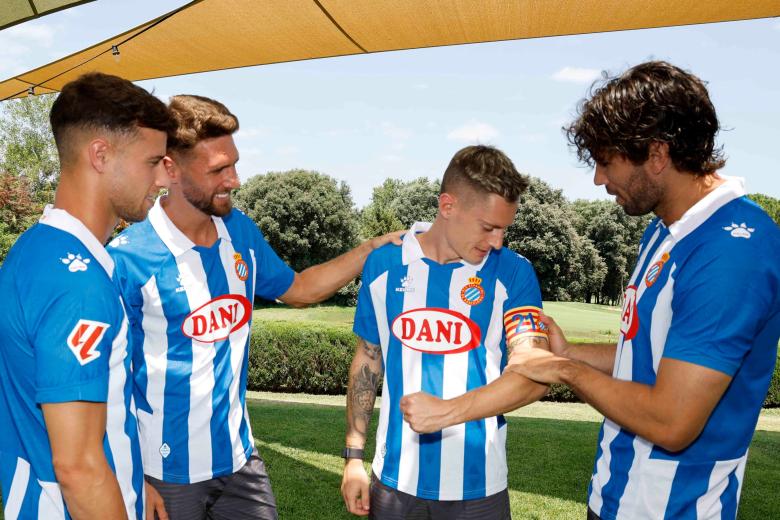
x,y
273,276
524,303
719,305
365,325
72,336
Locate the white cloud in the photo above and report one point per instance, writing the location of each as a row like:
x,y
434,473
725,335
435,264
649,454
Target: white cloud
x,y
776,26
576,75
392,158
473,131
395,132
249,133
288,150
38,34
420,86
18,43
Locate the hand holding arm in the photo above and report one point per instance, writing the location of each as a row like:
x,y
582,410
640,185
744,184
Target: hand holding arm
x,y
320,282
89,487
364,375
426,413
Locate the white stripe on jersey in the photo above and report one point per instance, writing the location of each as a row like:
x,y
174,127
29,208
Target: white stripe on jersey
x,y
411,362
15,498
116,417
202,374
238,340
455,375
649,483
378,294
602,466
50,504
495,437
661,318
155,349
708,506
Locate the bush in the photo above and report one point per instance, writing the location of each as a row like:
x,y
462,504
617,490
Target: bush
x,y
314,358
300,357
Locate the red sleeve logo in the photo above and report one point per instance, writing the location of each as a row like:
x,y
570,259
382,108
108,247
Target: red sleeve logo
x,y
84,339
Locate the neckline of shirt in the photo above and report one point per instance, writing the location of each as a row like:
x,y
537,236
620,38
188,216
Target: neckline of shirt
x,y
60,219
411,249
733,188
174,239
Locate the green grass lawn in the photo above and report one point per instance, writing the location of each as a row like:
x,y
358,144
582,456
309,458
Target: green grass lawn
x,y
550,462
581,322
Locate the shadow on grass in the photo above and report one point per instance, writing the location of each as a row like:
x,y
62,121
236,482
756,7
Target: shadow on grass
x,y
546,457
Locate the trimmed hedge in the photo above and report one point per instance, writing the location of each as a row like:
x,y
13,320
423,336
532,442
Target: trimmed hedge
x,y
314,358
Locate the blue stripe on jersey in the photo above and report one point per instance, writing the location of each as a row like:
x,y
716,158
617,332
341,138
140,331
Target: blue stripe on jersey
x,y
395,377
243,431
599,453
622,452
690,482
474,462
176,400
32,498
437,296
221,446
729,499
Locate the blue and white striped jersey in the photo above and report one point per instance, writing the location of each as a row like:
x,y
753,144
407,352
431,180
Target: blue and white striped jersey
x,y
441,330
64,339
706,290
190,311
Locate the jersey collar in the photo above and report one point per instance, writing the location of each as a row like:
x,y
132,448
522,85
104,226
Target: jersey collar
x,y
411,250
64,221
177,242
733,188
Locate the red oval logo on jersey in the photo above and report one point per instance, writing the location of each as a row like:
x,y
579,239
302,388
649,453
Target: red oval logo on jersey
x,y
629,320
215,320
436,331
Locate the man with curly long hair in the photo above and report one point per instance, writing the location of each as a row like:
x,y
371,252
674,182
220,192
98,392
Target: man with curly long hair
x,y
682,389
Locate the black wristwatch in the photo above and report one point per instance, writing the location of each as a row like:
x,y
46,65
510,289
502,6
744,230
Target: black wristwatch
x,y
352,453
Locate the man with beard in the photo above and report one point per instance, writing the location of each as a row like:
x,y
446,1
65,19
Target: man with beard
x,y
189,274
683,388
69,438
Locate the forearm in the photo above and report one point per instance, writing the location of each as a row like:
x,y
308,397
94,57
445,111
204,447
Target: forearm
x,y
507,393
600,356
633,406
90,490
323,280
365,373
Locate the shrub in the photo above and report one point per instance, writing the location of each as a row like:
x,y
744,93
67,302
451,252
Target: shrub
x,y
773,396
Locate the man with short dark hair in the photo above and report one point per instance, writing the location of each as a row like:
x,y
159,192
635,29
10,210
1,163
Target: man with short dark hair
x,y
683,388
439,314
189,275
69,440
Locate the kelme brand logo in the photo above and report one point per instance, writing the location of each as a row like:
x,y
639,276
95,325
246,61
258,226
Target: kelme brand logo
x,y
215,320
436,331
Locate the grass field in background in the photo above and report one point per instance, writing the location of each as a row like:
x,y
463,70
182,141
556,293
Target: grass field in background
x,y
550,462
582,322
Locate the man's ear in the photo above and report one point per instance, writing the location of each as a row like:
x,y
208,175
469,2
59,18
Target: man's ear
x,y
172,168
658,157
447,202
99,151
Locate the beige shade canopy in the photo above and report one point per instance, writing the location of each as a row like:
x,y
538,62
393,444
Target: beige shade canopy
x,y
207,35
13,12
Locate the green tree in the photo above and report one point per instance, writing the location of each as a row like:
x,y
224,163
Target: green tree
x,y
770,204
18,209
27,145
306,216
397,204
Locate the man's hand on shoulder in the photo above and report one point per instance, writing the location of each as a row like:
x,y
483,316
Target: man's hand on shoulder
x,y
394,237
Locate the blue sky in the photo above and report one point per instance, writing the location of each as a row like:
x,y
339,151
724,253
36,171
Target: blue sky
x,y
403,114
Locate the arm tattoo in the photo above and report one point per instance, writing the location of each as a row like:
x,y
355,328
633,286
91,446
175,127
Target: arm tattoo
x,y
361,393
525,342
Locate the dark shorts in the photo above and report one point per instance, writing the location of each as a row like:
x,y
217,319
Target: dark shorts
x,y
592,515
390,504
246,494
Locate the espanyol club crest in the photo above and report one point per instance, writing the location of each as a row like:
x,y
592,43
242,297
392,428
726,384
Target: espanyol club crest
x,y
217,319
473,293
655,270
629,320
84,339
436,331
242,270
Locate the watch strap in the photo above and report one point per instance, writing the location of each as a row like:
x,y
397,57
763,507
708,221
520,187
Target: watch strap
x,y
352,453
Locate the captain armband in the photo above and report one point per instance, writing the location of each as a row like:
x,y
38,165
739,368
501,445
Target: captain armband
x,y
524,322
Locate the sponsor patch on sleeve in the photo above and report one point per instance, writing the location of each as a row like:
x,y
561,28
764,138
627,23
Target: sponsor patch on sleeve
x,y
524,321
84,339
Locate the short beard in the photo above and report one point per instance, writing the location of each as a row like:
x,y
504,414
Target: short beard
x,y
644,196
203,202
